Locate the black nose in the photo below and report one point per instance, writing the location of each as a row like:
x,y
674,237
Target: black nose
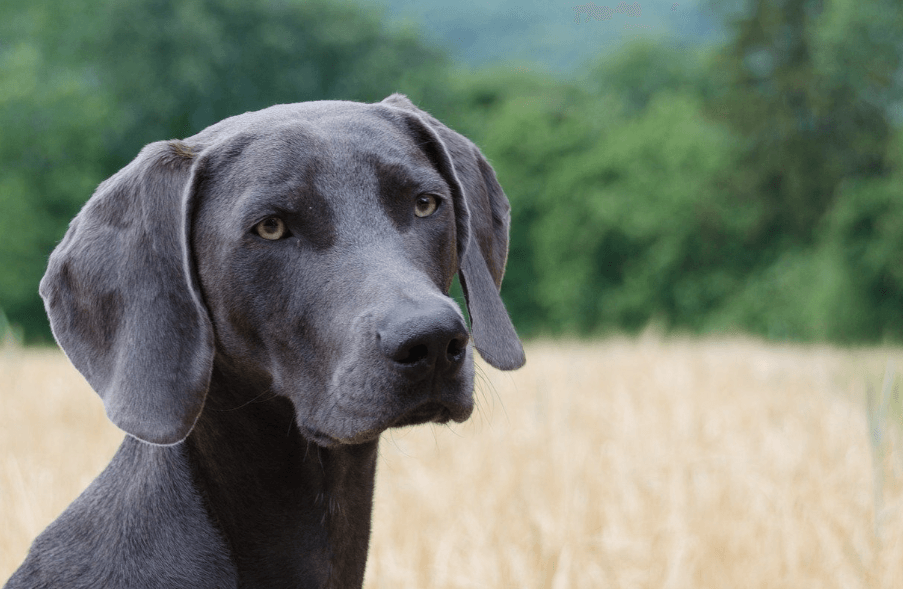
x,y
420,338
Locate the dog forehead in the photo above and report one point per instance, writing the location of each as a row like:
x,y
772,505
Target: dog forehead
x,y
367,127
322,138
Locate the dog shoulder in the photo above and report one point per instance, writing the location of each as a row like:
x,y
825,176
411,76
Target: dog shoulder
x,y
137,525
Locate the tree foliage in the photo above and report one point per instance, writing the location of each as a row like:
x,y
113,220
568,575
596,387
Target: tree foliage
x,y
807,87
83,89
752,186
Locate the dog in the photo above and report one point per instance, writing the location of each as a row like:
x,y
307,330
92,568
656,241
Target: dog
x,y
255,305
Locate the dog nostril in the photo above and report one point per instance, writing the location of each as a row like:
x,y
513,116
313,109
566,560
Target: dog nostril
x,y
455,347
414,354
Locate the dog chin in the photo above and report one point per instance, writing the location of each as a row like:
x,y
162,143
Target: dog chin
x,y
430,412
345,438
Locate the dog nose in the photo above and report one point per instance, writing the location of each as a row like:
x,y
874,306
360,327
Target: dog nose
x,y
425,337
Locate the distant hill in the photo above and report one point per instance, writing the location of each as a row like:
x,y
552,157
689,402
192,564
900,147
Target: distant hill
x,y
547,34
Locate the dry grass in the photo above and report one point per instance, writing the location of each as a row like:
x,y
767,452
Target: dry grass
x,y
625,463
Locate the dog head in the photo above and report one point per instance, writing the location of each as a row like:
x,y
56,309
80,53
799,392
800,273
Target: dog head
x,y
306,250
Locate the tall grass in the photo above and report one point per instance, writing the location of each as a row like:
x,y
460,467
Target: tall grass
x,y
624,463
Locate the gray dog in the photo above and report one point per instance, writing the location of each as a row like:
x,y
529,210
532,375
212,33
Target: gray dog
x,y
255,305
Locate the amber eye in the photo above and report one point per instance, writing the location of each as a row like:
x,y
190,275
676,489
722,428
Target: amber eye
x,y
272,228
426,205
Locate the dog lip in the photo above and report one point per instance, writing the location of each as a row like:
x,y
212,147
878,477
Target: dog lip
x,y
361,437
430,411
319,437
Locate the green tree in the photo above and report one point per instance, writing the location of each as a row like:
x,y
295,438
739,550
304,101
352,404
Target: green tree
x,y
528,125
617,216
82,89
806,86
190,63
809,89
636,228
50,153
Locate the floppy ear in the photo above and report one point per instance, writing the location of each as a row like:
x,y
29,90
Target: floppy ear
x,y
483,217
123,299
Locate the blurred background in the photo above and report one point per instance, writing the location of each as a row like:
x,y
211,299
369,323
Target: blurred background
x,y
699,167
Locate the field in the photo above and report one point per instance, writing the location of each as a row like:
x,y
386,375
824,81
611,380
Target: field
x,y
649,462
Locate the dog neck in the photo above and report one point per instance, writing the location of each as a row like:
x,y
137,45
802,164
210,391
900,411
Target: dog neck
x,y
293,513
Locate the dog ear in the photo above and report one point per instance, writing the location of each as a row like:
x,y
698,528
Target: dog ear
x,y
483,217
123,298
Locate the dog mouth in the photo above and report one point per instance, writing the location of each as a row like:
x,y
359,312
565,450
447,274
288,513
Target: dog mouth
x,y
431,411
340,429
319,437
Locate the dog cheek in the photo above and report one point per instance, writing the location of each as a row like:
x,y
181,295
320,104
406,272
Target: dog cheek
x,y
434,253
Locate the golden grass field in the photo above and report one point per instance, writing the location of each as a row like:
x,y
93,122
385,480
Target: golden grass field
x,y
649,462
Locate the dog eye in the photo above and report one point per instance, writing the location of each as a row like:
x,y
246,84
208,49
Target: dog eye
x,y
271,228
426,205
